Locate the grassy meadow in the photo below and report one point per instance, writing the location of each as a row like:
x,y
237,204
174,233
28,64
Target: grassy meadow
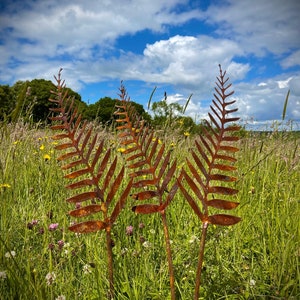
x,y
41,259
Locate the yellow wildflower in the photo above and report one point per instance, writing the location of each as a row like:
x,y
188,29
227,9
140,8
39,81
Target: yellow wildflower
x,y
42,147
5,185
186,133
121,150
159,141
46,157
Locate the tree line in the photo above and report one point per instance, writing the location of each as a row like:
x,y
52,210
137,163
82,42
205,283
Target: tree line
x,y
28,100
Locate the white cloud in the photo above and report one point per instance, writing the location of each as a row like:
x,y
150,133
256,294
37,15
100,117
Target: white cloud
x,y
258,26
189,62
77,25
266,101
291,60
75,31
284,83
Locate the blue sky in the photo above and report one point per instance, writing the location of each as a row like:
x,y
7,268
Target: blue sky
x,y
174,45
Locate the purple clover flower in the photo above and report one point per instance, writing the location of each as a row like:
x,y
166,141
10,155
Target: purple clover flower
x,y
129,230
60,244
53,226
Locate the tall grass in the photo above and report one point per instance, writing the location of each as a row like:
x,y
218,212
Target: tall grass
x,y
256,259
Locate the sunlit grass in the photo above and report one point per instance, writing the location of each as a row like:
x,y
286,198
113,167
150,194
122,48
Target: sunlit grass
x,y
255,259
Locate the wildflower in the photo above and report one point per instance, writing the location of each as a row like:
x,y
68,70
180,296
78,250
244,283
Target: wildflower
x,y
147,244
141,225
77,205
46,157
42,147
53,226
10,254
122,150
51,246
135,253
31,224
186,133
16,142
50,278
60,244
5,185
67,248
124,251
61,297
129,230
3,275
193,239
252,282
86,269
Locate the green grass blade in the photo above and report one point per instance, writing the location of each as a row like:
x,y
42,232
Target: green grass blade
x,y
285,105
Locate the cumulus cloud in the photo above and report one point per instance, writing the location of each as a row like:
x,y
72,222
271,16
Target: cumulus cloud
x,y
265,101
259,26
75,26
74,31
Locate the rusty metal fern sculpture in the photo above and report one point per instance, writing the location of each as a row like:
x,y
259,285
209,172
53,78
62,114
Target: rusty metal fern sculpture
x,y
207,175
151,168
92,169
148,172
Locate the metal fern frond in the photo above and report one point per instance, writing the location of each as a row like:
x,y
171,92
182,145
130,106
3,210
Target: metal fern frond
x,y
213,158
90,167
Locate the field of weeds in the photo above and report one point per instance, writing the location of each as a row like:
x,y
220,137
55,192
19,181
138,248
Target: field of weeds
x,y
41,259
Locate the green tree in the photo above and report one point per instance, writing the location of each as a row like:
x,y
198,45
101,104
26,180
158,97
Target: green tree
x,y
104,108
6,101
165,113
32,100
